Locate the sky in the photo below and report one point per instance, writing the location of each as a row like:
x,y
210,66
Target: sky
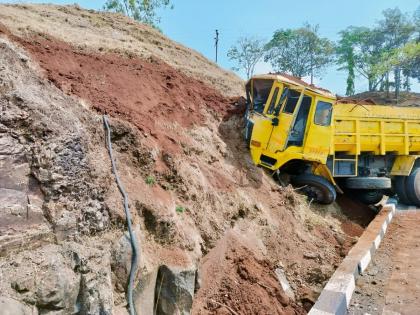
x,y
193,23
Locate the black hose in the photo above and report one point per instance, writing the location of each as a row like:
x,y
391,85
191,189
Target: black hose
x,y
128,217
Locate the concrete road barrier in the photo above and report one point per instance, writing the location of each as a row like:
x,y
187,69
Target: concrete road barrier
x,y
335,297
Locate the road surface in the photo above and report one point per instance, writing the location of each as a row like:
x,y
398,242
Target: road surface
x,y
391,283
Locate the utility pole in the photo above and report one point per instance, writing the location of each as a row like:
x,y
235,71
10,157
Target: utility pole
x,y
216,42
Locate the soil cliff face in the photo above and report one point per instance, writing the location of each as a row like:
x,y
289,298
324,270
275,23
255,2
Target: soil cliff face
x,y
215,232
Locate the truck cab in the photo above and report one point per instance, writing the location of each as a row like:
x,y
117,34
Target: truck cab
x,y
308,138
289,123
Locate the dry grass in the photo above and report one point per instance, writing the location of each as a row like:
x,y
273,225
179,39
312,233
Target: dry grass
x,y
109,32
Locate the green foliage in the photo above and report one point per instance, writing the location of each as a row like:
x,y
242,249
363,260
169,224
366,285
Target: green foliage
x,y
376,52
407,56
179,209
359,49
246,53
150,180
140,10
300,52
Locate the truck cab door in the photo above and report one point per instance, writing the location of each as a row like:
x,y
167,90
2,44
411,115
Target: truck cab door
x,y
319,134
283,119
262,122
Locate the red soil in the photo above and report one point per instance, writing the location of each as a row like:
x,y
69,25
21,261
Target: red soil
x,y
234,281
148,93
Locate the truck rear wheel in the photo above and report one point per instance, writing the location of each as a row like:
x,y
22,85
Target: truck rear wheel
x,y
400,189
317,188
368,196
412,185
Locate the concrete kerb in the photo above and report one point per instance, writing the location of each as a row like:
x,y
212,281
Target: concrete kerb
x,y
335,297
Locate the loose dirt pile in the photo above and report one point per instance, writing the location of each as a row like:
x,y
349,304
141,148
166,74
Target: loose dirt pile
x,y
234,280
182,159
381,98
148,93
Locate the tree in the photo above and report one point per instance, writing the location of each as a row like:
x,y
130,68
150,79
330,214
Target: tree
x,y
246,53
359,50
300,52
406,57
416,19
346,58
397,31
140,10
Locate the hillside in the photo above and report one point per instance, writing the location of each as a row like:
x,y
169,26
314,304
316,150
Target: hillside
x,y
105,32
215,232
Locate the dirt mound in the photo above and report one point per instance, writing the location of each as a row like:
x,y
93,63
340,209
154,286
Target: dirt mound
x,y
148,93
234,281
381,98
109,32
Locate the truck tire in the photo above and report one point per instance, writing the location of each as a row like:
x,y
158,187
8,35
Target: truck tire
x,y
412,185
400,189
368,196
370,183
316,188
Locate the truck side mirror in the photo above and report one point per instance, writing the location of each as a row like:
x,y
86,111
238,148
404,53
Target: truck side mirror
x,y
275,121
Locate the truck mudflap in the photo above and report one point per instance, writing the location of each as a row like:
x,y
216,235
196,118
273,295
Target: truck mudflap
x,y
403,165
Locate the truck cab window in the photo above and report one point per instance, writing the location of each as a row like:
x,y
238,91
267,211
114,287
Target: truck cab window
x,y
260,94
273,103
291,102
323,113
297,133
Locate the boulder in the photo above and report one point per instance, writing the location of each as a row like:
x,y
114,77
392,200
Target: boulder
x,y
94,265
174,290
9,306
144,294
57,288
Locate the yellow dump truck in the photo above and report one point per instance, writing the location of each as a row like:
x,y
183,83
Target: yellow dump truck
x,y
308,138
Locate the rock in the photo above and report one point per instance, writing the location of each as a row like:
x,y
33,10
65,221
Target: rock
x,y
174,290
65,226
23,284
310,255
9,306
58,287
144,294
281,277
13,202
95,295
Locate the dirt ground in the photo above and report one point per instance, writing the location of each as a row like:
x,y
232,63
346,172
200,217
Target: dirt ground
x,y
390,285
148,93
380,97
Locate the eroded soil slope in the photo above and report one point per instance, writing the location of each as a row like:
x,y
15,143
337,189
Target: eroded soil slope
x,y
200,208
107,32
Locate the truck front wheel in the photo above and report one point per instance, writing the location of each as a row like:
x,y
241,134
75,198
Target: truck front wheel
x,y
317,188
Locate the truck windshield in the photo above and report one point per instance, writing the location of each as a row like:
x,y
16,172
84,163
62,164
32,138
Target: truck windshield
x,y
259,94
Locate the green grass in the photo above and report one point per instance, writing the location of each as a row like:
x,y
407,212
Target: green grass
x,y
179,209
150,180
